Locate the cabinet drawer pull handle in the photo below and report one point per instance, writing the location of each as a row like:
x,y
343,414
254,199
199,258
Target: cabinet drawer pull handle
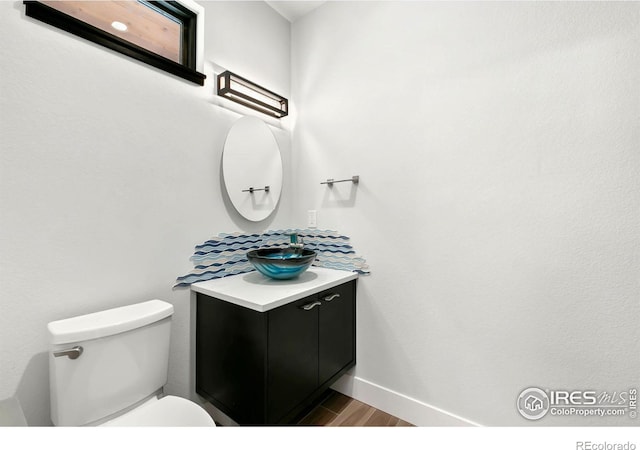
x,y
328,298
310,306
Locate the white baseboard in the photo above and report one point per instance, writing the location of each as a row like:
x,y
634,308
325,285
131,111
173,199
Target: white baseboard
x,y
399,405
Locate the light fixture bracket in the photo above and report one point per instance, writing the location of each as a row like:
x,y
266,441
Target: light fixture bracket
x,y
251,95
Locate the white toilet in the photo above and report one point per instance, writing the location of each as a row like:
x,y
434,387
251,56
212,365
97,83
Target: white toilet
x,y
108,368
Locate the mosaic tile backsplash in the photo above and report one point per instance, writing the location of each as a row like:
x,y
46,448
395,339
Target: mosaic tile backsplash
x,y
226,254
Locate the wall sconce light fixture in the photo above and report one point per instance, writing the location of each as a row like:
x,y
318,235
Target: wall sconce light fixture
x,y
249,94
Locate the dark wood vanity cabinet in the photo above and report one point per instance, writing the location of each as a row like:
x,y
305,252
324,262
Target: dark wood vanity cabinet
x,y
267,367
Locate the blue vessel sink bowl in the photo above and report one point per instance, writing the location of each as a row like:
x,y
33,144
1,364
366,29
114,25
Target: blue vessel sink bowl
x,y
281,263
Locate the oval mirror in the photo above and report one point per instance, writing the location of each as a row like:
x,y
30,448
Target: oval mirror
x,y
252,168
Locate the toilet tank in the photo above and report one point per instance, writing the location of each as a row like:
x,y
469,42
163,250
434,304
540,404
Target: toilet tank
x,y
124,359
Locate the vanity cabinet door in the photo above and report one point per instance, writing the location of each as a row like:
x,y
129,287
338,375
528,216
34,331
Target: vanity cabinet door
x,y
336,330
293,356
231,350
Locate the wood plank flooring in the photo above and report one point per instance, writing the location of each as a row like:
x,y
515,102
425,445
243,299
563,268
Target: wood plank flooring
x,y
338,410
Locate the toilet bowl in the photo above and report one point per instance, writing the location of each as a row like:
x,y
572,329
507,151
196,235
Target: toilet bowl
x,y
169,411
108,368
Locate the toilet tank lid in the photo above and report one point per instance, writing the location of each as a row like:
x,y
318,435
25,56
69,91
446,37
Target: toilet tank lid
x,y
108,322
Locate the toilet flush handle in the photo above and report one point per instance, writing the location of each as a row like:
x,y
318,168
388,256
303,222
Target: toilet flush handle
x,y
72,353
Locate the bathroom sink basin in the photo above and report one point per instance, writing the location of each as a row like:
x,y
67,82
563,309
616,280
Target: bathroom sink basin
x,y
281,263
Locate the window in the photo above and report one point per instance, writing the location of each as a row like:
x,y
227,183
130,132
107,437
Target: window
x,y
159,33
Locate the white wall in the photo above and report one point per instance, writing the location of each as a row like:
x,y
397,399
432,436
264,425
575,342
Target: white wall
x,y
497,145
109,175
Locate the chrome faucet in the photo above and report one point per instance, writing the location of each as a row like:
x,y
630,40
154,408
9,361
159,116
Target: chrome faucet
x,y
296,241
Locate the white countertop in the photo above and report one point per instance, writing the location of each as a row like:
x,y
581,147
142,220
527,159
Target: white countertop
x,y
255,291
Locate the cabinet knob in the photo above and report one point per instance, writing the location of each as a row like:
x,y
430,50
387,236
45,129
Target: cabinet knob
x,y
310,306
328,298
